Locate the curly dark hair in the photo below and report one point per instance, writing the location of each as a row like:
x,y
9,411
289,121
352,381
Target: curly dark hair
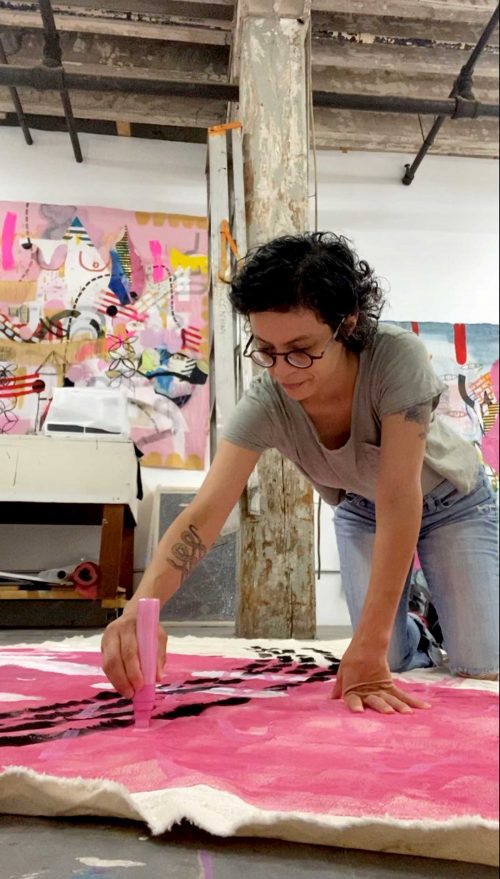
x,y
317,271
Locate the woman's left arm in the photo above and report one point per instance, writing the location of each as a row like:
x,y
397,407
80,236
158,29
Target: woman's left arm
x,y
364,677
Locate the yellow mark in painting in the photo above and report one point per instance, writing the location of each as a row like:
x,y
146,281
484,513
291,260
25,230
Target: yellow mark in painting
x,y
173,461
143,218
197,262
187,221
17,291
149,360
79,351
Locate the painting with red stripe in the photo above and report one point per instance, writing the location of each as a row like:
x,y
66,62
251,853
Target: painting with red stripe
x,y
465,357
99,296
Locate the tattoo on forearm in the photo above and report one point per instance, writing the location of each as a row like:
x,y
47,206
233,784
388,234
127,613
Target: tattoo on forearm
x,y
420,415
187,552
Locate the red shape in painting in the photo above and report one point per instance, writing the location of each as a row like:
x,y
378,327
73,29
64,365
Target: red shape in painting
x,y
460,334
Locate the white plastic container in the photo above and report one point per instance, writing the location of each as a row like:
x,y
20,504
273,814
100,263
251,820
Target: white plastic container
x,y
98,413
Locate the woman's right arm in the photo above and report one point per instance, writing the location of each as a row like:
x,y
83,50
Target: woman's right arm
x,y
184,544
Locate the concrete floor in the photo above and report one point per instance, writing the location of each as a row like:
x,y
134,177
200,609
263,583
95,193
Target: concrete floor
x,y
86,849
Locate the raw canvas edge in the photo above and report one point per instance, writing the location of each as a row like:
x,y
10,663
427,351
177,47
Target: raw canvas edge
x,y
468,839
472,839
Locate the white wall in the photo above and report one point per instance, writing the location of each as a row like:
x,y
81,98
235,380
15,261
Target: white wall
x,y
435,243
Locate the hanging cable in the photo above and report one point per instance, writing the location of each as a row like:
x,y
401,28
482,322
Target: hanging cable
x,y
312,140
312,127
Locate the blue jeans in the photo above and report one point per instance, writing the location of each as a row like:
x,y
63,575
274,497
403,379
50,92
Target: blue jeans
x,y
458,551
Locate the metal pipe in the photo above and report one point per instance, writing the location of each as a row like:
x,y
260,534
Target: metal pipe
x,y
462,89
52,60
17,103
50,79
482,42
45,79
455,108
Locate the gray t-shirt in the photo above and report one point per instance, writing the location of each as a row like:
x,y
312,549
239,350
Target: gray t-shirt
x,y
394,375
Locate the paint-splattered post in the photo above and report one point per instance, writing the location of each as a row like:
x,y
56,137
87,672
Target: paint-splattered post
x,y
277,583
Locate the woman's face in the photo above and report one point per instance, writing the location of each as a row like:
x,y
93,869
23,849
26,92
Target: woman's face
x,y
283,332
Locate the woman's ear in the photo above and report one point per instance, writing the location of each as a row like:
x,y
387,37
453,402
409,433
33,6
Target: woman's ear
x,y
350,323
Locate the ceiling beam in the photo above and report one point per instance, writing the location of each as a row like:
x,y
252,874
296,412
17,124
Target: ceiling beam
x,y
374,56
397,82
219,35
335,129
344,130
119,108
273,8
95,53
90,54
468,11
100,126
45,79
134,9
408,30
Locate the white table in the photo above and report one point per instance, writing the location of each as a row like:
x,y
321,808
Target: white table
x,y
55,481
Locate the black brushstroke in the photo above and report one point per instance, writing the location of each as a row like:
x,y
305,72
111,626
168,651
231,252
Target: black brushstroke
x,y
115,712
197,708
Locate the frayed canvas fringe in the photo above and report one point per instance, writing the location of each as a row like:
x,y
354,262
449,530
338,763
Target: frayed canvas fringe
x,y
24,792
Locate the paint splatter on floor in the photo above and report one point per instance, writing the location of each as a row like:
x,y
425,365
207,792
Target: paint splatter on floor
x,y
206,864
99,862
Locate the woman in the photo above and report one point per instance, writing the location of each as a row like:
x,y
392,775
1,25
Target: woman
x,y
351,403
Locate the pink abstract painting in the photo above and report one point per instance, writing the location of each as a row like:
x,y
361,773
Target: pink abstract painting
x,y
465,357
93,296
261,728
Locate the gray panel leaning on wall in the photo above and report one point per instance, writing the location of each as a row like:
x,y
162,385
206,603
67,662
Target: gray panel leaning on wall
x,y
209,593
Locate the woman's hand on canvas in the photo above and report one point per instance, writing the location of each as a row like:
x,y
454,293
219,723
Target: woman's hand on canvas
x,y
364,681
120,656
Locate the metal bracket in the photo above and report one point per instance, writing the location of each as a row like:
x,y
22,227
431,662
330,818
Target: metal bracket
x,y
48,78
465,108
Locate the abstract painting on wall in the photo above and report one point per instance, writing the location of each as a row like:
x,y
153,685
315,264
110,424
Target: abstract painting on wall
x,y
465,357
93,296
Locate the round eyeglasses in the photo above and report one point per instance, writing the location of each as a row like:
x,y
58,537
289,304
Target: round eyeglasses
x,y
296,357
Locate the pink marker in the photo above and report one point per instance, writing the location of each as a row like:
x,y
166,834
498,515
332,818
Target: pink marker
x,y
148,616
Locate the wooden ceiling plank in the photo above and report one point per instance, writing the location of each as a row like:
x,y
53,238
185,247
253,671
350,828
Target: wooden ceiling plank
x,y
180,60
109,106
411,30
384,82
373,56
347,131
156,7
119,28
468,11
407,42
134,8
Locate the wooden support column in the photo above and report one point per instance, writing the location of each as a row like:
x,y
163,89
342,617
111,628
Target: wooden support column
x,y
276,573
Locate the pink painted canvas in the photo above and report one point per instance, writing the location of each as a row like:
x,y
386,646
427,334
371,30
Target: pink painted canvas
x,y
260,727
93,296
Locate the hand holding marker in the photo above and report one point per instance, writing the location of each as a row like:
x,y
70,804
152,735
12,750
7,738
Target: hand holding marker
x,y
148,617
